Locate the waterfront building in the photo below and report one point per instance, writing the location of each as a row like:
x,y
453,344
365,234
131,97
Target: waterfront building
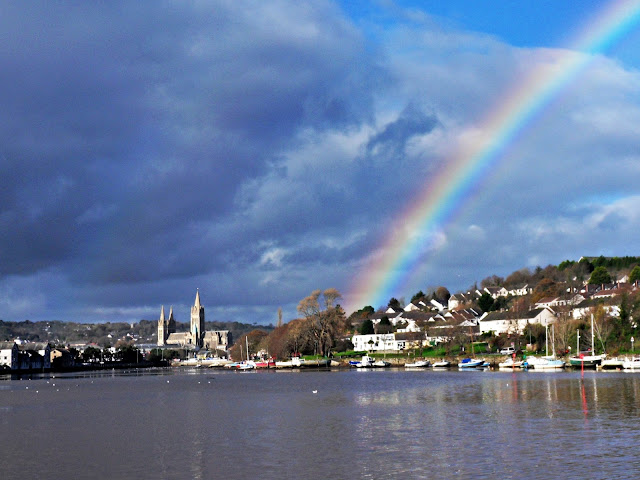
x,y
26,356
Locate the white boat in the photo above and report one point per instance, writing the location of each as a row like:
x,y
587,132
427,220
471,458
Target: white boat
x,y
442,364
612,364
246,365
471,363
632,363
511,363
381,364
418,364
365,362
284,364
547,362
587,359
298,362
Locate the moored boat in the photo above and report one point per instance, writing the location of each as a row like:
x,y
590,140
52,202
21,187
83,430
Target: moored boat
x,y
266,363
365,362
471,363
632,363
381,364
586,360
418,364
545,363
246,365
612,364
442,364
511,363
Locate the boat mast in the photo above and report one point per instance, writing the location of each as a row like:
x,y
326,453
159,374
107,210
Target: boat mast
x,y
593,345
546,339
247,343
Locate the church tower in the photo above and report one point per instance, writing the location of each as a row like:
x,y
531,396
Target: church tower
x,y
197,321
171,323
162,328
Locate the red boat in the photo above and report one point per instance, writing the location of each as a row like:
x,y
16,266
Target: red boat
x,y
268,363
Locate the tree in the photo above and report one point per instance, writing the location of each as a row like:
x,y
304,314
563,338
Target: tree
x,y
545,288
385,325
492,281
635,274
599,276
442,295
602,326
91,354
367,327
485,302
418,295
323,324
394,303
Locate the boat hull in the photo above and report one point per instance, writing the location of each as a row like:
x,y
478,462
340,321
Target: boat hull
x,y
469,364
586,361
418,364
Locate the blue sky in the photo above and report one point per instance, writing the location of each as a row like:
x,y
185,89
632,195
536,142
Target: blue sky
x,y
259,151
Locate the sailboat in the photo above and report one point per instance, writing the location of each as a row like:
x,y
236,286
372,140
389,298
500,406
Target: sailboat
x,y
547,362
247,364
587,359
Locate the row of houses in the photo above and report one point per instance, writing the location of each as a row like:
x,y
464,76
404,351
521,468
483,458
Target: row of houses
x,y
416,327
424,328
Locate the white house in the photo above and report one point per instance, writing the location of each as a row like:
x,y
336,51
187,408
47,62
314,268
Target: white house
x,y
587,307
514,322
520,291
375,342
459,299
496,292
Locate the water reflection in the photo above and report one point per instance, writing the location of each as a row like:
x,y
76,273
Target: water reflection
x,y
380,424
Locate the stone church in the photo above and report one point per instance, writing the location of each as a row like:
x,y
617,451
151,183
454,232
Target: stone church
x,y
197,337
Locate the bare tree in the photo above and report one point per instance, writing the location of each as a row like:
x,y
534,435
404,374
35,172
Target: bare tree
x,y
323,324
602,326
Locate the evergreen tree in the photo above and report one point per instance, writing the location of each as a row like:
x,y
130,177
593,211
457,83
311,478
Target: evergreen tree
x,y
367,327
485,302
635,274
599,276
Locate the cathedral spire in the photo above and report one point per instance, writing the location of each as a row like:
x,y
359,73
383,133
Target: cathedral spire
x,y
170,312
162,314
197,304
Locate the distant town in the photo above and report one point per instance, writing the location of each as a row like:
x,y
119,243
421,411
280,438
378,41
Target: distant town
x,y
590,304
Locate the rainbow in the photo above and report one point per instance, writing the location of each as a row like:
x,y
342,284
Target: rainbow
x,y
417,228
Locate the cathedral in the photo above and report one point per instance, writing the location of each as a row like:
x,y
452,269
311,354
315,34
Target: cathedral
x,y
197,337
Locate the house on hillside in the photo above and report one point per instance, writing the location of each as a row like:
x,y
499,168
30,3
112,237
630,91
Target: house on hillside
x,y
444,329
388,342
520,290
466,314
461,299
496,292
585,308
515,322
411,306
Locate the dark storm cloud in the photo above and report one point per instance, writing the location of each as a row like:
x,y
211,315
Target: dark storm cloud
x,y
261,150
126,129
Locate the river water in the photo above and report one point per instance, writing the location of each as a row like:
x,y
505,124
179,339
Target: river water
x,y
391,424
